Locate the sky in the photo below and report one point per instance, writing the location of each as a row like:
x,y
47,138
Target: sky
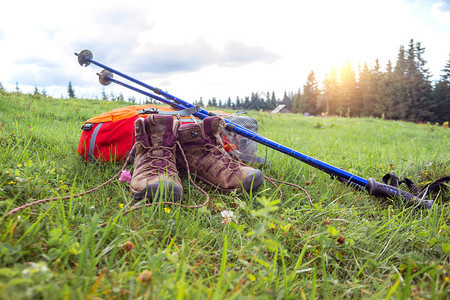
x,y
199,48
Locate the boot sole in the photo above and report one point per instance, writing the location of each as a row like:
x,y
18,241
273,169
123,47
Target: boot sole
x,y
257,178
175,192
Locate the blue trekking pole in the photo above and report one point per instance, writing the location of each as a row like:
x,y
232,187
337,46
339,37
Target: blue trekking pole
x,y
373,187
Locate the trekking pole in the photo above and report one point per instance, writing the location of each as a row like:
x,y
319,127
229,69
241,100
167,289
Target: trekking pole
x,y
373,187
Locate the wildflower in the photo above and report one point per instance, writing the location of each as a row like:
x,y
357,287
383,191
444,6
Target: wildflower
x,y
128,246
145,277
226,214
2,126
167,210
121,205
19,165
34,268
125,176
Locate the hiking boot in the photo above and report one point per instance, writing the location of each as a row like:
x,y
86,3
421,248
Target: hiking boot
x,y
155,171
207,158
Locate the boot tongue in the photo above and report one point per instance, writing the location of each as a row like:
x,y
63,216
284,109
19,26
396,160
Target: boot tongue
x,y
161,129
213,126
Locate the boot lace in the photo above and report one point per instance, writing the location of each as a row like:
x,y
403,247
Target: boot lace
x,y
153,164
218,152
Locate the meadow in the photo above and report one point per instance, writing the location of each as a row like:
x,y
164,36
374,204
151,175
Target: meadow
x,y
347,245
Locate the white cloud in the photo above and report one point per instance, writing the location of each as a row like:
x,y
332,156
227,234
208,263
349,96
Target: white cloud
x,y
439,14
194,56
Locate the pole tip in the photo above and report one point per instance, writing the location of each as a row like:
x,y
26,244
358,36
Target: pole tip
x,y
84,57
105,77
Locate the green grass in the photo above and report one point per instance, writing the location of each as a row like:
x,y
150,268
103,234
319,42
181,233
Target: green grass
x,y
349,245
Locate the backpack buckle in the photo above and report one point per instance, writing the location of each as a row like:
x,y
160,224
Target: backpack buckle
x,y
87,126
148,111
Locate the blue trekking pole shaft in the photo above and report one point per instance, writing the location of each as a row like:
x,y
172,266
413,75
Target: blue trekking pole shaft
x,y
373,187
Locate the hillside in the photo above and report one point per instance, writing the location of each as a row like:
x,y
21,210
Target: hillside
x,y
347,245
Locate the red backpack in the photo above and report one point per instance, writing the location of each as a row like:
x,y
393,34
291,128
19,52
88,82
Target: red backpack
x,y
110,135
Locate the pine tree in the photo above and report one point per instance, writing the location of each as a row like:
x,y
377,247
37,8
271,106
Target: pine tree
x,y
419,86
254,99
246,104
229,103
104,95
238,103
348,104
296,102
112,97
70,91
362,90
331,89
309,99
288,101
273,101
385,95
267,104
398,94
441,96
369,85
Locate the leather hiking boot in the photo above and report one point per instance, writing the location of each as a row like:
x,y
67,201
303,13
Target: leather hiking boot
x,y
207,158
155,171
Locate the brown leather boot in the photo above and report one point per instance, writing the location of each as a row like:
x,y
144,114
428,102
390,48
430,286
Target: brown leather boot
x,y
155,171
207,158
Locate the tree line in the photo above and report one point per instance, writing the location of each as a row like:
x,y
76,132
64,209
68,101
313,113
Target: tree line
x,y
257,101
403,91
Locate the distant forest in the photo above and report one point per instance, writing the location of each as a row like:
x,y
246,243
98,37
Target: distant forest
x,y
403,91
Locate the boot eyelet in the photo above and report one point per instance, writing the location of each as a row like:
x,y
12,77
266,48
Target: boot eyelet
x,y
194,134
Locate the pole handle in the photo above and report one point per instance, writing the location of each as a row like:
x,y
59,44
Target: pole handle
x,y
378,189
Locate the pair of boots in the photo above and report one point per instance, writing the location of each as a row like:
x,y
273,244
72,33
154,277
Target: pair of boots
x,y
157,160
